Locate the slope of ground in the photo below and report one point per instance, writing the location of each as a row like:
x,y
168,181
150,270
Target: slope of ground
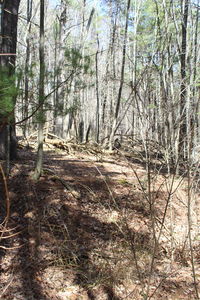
x,y
97,228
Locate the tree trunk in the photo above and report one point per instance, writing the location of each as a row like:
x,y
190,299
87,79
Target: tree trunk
x,y
117,108
27,67
39,161
97,92
8,40
183,91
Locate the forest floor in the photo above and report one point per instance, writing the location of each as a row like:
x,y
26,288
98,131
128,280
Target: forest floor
x,y
86,230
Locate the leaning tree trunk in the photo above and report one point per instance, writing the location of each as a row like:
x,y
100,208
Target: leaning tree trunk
x,y
8,39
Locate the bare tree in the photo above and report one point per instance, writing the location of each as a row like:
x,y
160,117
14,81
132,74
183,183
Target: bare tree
x,y
27,65
183,88
41,116
117,107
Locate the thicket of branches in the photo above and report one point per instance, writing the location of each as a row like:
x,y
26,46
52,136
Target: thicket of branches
x,y
114,68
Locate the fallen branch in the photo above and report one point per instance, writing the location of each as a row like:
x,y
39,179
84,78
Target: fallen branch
x,y
71,189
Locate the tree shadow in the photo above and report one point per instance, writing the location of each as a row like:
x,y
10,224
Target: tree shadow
x,y
26,209
76,236
86,236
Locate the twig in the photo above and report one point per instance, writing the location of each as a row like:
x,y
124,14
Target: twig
x,y
42,102
7,197
11,235
110,191
11,248
6,287
190,231
73,192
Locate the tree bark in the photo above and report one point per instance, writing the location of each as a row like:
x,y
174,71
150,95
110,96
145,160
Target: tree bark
x,y
97,92
27,68
117,108
39,161
183,91
8,41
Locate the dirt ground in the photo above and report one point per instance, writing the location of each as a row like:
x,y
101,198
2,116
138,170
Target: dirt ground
x,y
92,229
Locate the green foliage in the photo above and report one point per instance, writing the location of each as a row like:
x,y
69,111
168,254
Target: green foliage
x,y
86,64
124,100
77,61
8,92
73,108
56,29
123,181
31,70
152,106
74,57
40,117
147,20
61,110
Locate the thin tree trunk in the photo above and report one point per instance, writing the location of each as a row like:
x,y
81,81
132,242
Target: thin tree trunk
x,y
117,107
26,79
97,92
56,79
183,90
39,161
196,133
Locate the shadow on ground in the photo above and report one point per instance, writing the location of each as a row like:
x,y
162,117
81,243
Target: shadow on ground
x,y
60,230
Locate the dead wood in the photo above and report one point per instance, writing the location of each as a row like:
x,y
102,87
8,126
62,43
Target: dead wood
x,y
69,187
